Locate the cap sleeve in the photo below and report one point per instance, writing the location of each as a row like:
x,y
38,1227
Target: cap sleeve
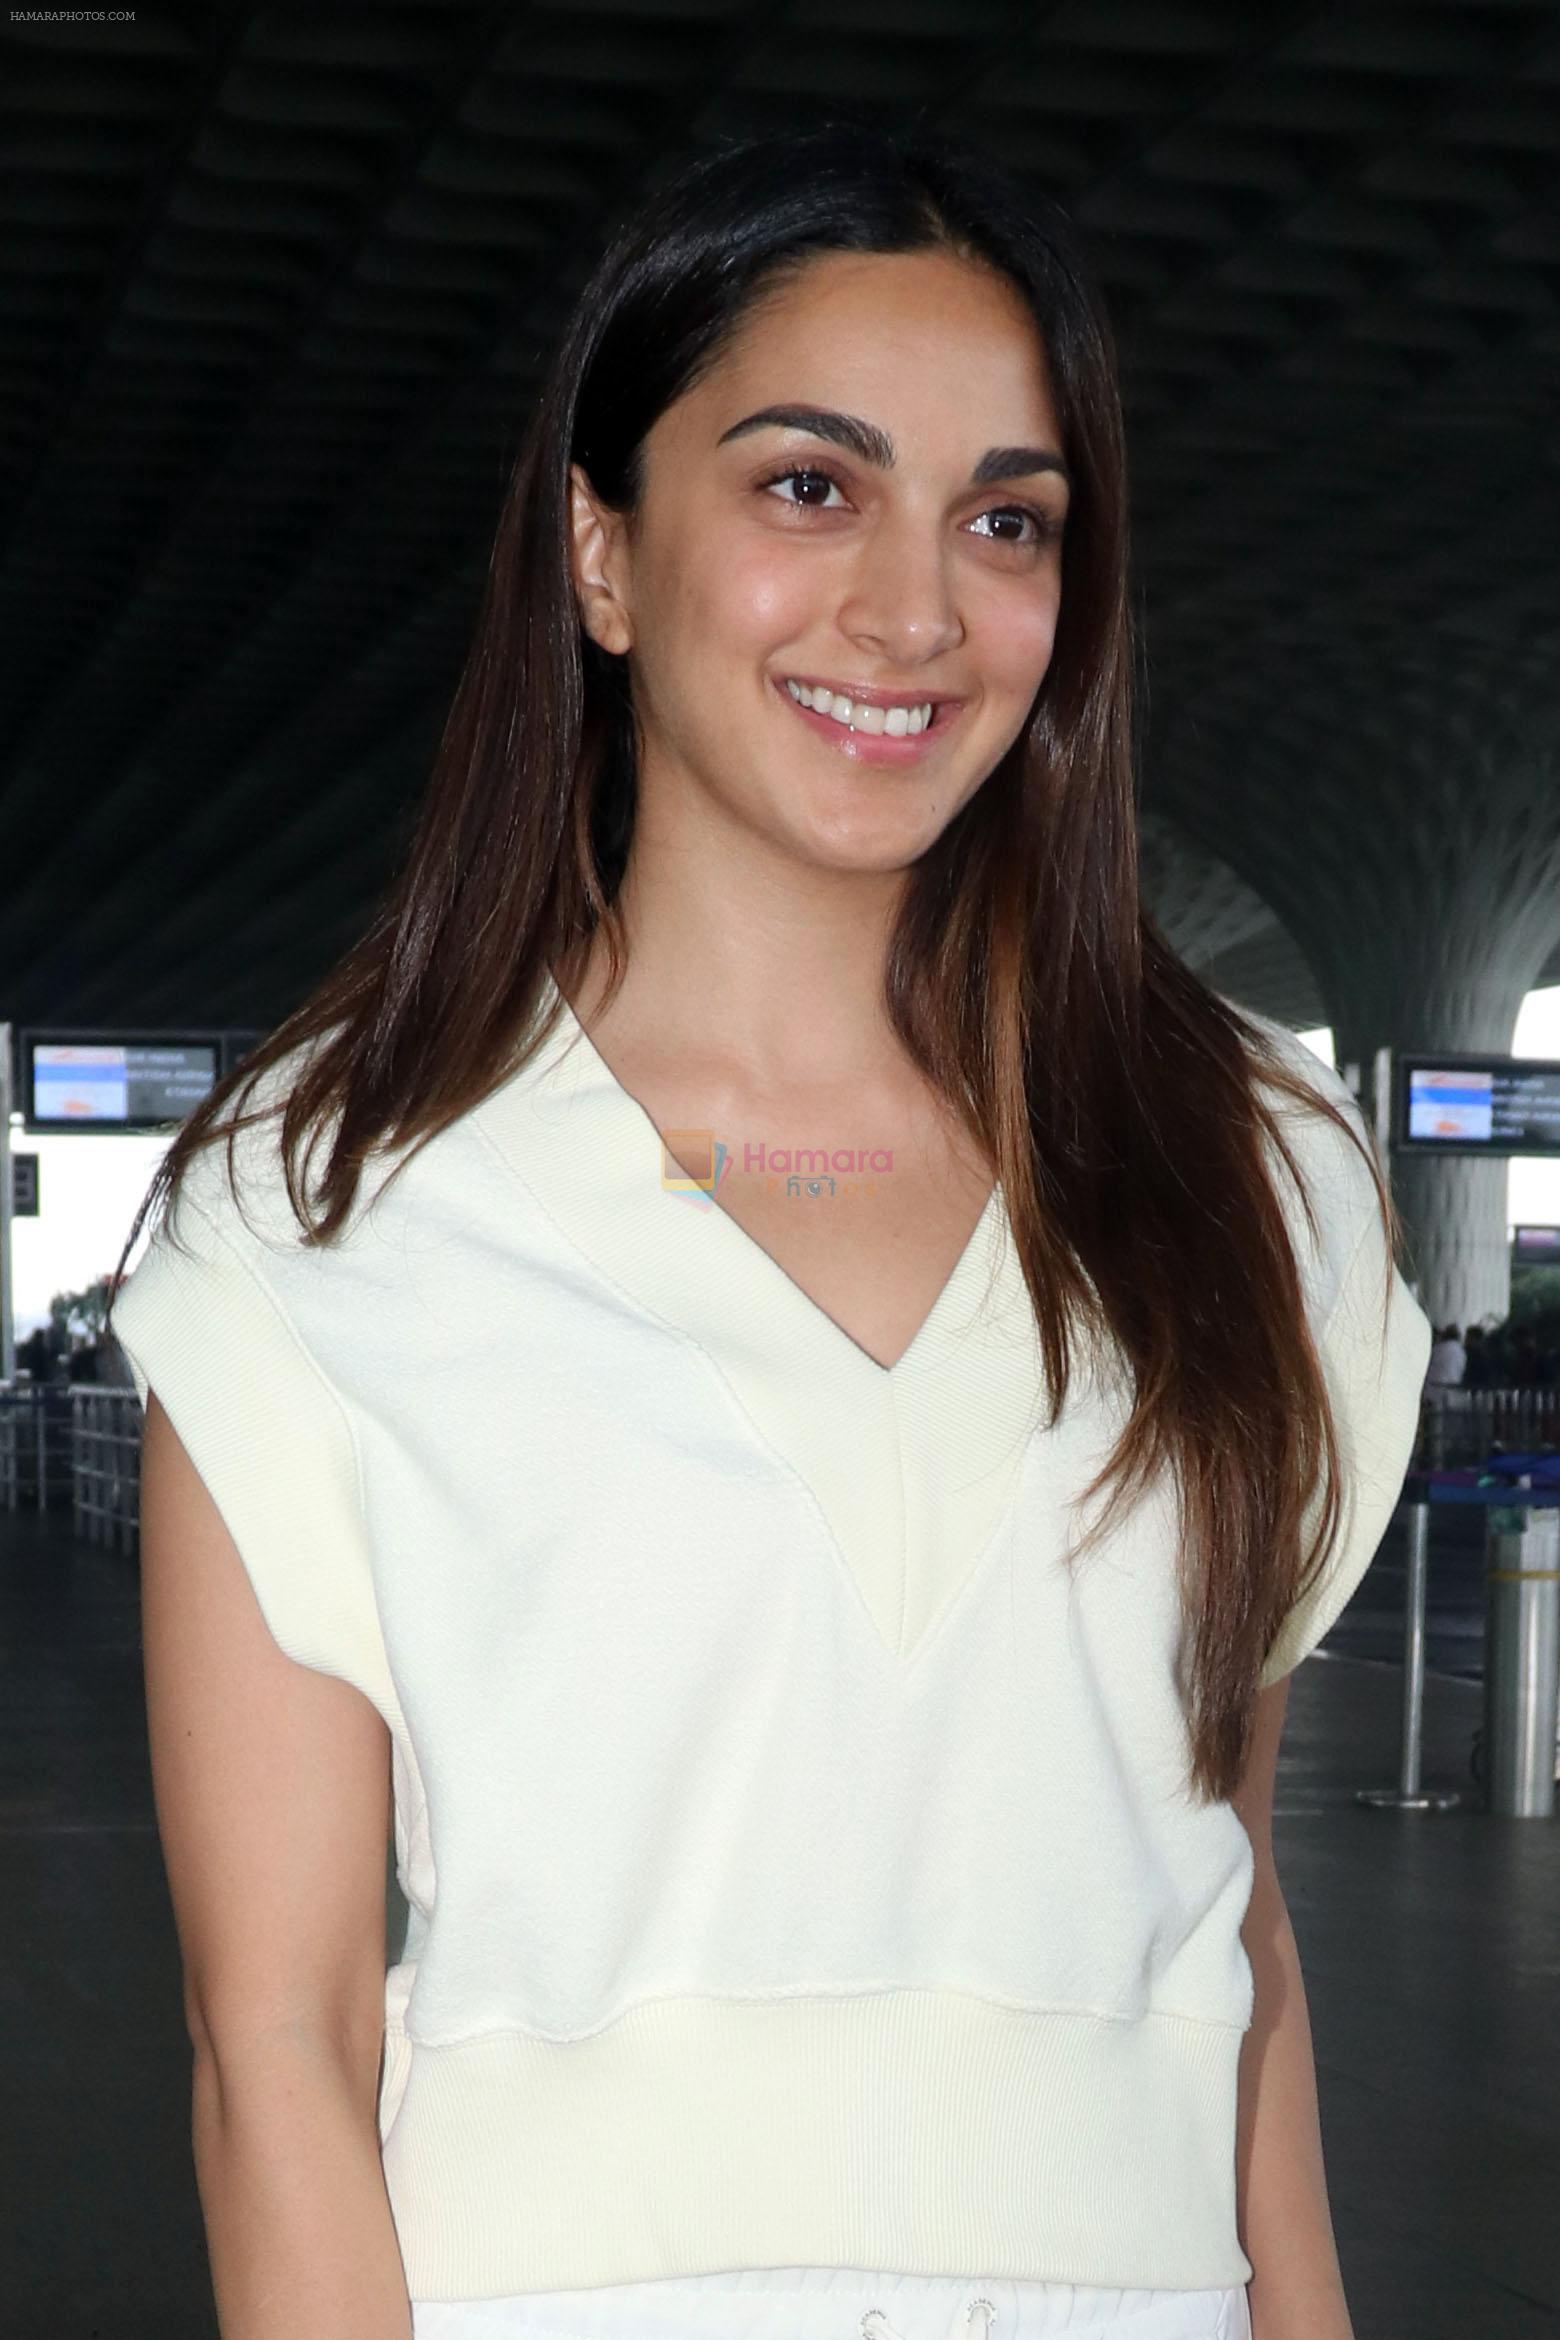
x,y
1374,1348
203,1327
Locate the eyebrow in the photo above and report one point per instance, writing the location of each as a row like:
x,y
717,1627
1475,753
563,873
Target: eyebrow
x,y
876,447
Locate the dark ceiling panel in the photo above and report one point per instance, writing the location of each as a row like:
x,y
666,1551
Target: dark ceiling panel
x,y
275,288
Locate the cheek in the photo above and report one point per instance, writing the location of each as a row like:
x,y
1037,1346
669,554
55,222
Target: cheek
x,y
712,619
759,599
1017,638
740,590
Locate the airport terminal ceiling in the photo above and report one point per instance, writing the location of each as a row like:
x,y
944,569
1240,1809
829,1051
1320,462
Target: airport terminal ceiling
x,y
276,282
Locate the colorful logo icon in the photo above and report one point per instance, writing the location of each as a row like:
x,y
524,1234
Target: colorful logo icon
x,y
693,1163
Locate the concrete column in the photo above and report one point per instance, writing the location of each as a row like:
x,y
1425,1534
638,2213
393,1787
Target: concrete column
x,y
1405,827
1454,1210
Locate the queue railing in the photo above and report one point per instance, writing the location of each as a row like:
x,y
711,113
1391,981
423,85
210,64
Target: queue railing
x,y
106,1464
1462,1426
35,1463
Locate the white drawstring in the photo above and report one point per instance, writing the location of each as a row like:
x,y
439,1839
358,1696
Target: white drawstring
x,y
876,2326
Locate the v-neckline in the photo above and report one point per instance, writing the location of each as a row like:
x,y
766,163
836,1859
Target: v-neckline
x,y
764,1261
913,1467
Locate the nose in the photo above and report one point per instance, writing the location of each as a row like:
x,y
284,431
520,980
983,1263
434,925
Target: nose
x,y
901,603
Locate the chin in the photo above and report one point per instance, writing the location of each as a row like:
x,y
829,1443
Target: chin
x,y
873,845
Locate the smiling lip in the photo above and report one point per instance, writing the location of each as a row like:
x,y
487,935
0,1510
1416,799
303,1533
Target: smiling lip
x,y
869,695
876,747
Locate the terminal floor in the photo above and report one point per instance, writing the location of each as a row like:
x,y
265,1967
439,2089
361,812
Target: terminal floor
x,y
1430,1943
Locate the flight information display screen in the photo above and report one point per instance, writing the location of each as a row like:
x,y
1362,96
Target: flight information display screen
x,y
119,1084
1462,1104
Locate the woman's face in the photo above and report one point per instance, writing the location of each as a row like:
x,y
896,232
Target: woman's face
x,y
898,544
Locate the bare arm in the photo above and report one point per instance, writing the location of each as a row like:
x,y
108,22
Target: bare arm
x,y
1296,2289
272,1792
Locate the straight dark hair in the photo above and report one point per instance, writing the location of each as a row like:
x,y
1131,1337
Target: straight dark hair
x,y
1118,1098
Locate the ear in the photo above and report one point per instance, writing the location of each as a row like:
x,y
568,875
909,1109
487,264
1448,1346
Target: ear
x,y
600,566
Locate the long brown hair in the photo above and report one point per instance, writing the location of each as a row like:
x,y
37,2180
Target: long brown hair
x,y
1117,1096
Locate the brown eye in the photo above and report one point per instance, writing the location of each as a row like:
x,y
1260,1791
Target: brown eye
x,y
1044,527
816,480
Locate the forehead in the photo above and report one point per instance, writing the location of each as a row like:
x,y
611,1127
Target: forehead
x,y
940,351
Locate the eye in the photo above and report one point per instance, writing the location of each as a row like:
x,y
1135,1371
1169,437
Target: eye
x,y
1045,527
809,472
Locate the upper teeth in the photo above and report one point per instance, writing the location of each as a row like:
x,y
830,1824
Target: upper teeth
x,y
896,721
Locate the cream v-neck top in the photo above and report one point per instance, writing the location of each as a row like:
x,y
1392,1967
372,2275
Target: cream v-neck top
x,y
800,1859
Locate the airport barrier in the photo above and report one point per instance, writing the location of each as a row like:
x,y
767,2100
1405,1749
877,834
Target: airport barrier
x,y
35,1445
105,1464
1522,1655
1463,1425
76,1444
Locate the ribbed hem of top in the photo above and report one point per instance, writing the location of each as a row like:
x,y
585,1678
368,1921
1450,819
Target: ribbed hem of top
x,y
923,2131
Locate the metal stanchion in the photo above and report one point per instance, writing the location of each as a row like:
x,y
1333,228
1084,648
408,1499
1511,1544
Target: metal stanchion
x,y
78,1468
1408,1795
1521,1658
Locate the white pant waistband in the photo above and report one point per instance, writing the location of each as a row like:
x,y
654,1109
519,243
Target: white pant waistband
x,y
828,2303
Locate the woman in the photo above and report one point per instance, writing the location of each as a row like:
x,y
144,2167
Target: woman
x,y
765,1178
